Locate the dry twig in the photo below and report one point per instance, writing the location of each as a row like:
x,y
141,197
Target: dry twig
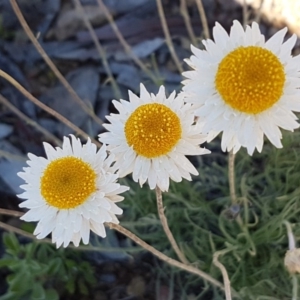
x,y
165,258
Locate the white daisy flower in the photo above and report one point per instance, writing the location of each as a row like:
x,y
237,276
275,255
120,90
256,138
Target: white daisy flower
x,y
245,87
151,136
71,192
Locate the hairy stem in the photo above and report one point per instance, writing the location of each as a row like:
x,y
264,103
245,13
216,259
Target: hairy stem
x,y
164,222
130,235
21,232
165,258
295,288
231,177
224,273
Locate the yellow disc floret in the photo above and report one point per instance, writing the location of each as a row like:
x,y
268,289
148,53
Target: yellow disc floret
x,y
250,79
67,182
152,130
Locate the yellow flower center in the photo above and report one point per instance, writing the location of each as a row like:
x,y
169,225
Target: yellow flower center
x,y
250,79
67,182
153,130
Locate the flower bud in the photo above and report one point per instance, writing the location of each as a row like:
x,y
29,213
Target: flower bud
x,y
292,260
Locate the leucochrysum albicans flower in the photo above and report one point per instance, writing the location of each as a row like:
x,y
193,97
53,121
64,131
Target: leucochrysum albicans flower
x,y
151,136
245,87
70,192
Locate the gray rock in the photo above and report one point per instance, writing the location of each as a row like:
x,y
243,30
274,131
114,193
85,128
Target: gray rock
x,y
126,75
10,92
10,168
107,278
19,100
38,14
130,77
8,147
141,50
111,241
85,81
26,53
120,7
71,20
5,130
105,97
81,54
12,69
169,76
49,124
8,173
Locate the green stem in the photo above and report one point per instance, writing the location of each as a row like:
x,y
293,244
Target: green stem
x,y
231,177
295,287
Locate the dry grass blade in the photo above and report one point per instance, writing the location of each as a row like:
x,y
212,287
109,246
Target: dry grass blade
x,y
29,121
21,232
258,12
168,36
245,14
203,18
187,22
123,42
12,157
46,108
13,213
51,65
100,49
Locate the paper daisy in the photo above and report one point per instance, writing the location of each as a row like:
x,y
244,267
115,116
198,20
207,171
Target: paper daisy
x,y
245,87
71,192
151,136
